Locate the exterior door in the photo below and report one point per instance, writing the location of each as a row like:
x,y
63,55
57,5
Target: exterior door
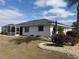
x,y
21,30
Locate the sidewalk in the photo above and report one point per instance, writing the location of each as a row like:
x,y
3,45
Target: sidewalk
x,y
73,50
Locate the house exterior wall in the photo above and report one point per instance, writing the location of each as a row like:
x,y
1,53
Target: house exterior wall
x,y
5,30
51,30
33,30
67,29
17,32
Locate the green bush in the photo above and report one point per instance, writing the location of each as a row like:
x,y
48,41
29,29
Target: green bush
x,y
75,36
72,33
70,37
60,28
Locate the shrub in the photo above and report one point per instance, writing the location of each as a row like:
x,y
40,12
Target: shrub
x,y
4,33
60,28
72,37
77,35
58,39
72,33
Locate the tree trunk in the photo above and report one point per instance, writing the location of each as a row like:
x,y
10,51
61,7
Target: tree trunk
x,y
78,17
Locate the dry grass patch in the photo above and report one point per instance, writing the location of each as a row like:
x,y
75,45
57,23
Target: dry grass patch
x,y
24,39
10,50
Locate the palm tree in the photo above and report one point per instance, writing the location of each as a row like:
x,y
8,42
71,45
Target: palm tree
x,y
72,2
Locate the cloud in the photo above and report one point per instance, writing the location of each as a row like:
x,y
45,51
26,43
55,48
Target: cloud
x,y
10,21
40,3
5,1
67,21
63,21
59,12
49,17
56,9
8,16
52,3
9,13
56,3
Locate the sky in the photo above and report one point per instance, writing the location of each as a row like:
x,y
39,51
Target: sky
x,y
17,11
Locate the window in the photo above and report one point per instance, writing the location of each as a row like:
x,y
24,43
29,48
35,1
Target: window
x,y
8,28
17,29
40,28
17,32
12,29
26,29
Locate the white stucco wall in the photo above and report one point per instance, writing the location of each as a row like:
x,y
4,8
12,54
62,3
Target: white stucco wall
x,y
67,29
51,30
33,30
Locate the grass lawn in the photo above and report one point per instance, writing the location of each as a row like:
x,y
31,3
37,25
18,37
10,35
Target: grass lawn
x,y
11,50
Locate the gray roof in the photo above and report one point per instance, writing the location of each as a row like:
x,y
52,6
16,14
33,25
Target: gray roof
x,y
9,25
36,22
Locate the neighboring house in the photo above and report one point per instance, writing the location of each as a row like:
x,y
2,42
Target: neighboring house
x,y
41,27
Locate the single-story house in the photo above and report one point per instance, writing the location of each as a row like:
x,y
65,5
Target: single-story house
x,y
8,29
41,27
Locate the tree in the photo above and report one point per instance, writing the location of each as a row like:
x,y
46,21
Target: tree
x,y
72,2
74,25
55,27
60,28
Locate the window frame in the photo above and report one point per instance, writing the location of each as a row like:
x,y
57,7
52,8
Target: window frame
x,y
12,29
41,28
26,28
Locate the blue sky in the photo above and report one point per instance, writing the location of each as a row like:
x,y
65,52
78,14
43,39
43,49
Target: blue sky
x,y
17,11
